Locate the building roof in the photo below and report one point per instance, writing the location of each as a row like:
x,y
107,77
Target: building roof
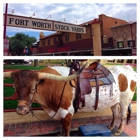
x,y
124,25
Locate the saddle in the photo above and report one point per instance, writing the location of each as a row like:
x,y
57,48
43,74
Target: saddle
x,y
93,76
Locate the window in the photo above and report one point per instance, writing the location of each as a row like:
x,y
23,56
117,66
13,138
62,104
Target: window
x,y
120,44
48,41
67,37
43,43
130,43
54,40
105,39
78,36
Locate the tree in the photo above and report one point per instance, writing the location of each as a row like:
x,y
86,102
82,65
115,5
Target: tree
x,y
18,42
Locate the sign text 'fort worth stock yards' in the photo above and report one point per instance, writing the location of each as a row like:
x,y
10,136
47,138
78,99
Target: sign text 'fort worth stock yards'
x,y
40,24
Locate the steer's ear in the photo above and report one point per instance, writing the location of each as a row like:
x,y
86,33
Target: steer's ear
x,y
39,81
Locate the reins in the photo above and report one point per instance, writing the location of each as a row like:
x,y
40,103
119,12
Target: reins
x,y
32,112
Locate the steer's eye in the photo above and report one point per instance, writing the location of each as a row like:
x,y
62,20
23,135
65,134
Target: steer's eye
x,y
33,90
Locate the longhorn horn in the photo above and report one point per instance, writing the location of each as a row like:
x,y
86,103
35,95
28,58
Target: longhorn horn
x,y
60,78
7,74
52,76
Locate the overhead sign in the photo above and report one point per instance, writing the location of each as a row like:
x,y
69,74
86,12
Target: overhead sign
x,y
27,22
42,24
69,28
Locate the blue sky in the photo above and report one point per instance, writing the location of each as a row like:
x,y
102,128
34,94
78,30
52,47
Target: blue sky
x,y
81,12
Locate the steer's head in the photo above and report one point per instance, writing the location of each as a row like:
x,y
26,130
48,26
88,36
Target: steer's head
x,y
25,84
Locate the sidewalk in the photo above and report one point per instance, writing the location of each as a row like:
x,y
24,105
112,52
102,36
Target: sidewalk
x,y
53,127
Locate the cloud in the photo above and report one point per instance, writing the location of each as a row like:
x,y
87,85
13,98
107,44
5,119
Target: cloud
x,y
71,11
82,12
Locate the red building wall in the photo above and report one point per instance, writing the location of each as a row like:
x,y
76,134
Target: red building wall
x,y
83,44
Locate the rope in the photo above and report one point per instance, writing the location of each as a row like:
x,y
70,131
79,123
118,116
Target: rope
x,y
57,109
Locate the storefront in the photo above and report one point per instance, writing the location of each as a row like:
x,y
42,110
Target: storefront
x,y
117,52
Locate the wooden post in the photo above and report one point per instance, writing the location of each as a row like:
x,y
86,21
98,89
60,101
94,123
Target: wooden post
x,y
97,48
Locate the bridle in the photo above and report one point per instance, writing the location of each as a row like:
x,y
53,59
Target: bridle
x,y
24,103
75,65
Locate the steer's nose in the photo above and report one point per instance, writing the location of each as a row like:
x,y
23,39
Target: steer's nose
x,y
20,107
22,110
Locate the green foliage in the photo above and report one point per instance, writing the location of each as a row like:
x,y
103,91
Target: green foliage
x,y
134,97
18,43
8,81
8,91
135,69
23,67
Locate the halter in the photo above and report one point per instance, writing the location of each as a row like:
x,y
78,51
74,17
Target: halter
x,y
24,103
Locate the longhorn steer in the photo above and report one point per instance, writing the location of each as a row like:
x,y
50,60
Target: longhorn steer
x,y
33,87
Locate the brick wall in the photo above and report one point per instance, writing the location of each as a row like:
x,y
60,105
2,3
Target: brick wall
x,y
50,127
108,22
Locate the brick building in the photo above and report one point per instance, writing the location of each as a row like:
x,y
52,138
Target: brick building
x,y
125,36
99,39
